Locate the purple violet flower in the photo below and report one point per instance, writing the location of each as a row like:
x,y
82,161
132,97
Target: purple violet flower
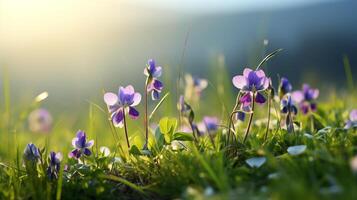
x,y
306,98
199,84
194,87
153,72
81,145
352,122
287,106
54,161
208,124
185,129
251,82
241,116
40,121
289,110
31,153
126,99
242,112
211,123
284,87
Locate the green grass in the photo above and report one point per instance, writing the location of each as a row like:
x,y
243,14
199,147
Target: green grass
x,y
197,171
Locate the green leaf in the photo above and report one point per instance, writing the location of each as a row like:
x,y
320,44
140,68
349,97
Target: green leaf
x,y
181,136
160,140
167,128
134,150
319,122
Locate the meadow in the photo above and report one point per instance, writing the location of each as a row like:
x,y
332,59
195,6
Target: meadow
x,y
246,135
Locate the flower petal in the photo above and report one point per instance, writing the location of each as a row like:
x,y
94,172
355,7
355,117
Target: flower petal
x,y
241,116
246,99
114,108
246,72
80,134
353,115
297,96
200,84
260,98
348,125
304,108
151,64
117,118
313,107
81,142
136,99
126,95
239,81
260,73
294,109
157,72
58,157
110,98
315,93
284,109
89,144
155,95
211,123
87,152
201,128
75,154
133,113
158,85
264,83
285,85
74,141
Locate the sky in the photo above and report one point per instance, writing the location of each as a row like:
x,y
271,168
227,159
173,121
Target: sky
x,y
212,6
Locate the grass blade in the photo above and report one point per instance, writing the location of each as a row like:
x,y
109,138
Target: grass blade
x,y
123,181
348,72
268,57
159,104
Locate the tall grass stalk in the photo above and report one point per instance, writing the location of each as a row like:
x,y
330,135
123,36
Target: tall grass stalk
x,y
250,119
348,72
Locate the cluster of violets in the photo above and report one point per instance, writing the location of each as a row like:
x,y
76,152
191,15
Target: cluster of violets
x,y
32,156
254,86
193,90
123,103
82,148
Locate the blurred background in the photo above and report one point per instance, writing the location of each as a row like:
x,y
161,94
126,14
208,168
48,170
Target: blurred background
x,y
76,48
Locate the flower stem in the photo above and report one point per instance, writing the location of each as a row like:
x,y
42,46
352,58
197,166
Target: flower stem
x,y
210,136
250,119
312,123
193,132
116,137
269,110
126,130
146,123
230,122
291,121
